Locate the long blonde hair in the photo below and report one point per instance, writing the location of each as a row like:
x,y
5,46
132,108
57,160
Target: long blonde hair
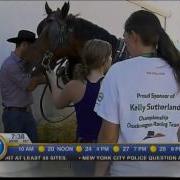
x,y
94,55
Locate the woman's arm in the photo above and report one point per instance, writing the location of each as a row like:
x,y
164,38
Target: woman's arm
x,y
109,133
71,93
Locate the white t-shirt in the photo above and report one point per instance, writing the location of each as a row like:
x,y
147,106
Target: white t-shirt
x,y
141,95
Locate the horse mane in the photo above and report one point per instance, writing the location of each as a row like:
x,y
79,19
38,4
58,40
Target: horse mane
x,y
86,30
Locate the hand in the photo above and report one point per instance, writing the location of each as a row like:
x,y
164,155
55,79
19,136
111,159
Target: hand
x,y
52,74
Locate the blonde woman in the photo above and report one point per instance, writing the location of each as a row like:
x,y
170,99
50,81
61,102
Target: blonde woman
x,y
83,90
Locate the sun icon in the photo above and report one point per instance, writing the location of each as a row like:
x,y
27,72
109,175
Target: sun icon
x,y
79,149
116,149
41,149
153,148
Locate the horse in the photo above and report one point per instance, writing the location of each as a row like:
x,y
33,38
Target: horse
x,y
63,35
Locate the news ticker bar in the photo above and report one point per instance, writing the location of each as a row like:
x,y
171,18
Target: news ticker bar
x,y
117,152
18,147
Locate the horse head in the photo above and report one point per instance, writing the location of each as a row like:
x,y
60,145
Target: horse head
x,y
55,41
55,25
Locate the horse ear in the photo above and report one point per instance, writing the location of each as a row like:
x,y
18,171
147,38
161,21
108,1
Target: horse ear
x,y
65,10
48,9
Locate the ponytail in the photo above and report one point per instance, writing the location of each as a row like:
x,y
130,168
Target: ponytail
x,y
167,50
80,72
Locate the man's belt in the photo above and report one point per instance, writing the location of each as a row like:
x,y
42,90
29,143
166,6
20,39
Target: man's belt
x,y
22,109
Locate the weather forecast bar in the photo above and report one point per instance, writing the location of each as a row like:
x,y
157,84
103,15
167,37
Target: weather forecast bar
x,y
24,150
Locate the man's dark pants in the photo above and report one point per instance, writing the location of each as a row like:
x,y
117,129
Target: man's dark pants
x,y
20,122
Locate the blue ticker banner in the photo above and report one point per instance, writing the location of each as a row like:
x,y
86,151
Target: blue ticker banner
x,y
24,150
122,152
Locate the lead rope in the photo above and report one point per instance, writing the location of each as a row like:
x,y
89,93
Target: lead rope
x,y
58,74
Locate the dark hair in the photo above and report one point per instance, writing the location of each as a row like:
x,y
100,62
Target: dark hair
x,y
94,55
148,26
